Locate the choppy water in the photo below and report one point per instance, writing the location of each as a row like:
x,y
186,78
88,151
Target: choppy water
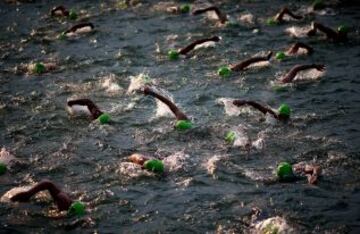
x,y
218,185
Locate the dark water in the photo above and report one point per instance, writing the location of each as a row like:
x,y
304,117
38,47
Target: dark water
x,y
84,157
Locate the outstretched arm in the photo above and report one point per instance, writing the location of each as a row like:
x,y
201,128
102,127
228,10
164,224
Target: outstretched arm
x,y
279,17
243,64
175,110
94,110
294,48
81,25
219,14
62,200
256,105
289,77
190,47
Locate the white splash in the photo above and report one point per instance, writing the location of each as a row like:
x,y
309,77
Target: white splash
x,y
247,18
242,139
5,156
273,225
78,110
39,197
205,45
298,32
311,74
138,82
211,164
177,161
132,170
109,84
162,110
233,110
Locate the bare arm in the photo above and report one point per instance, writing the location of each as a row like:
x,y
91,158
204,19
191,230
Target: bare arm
x,y
95,112
331,34
294,49
279,17
75,27
256,105
190,47
59,8
175,110
221,16
289,77
245,63
62,200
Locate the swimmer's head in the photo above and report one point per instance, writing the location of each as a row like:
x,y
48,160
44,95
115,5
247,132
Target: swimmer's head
x,y
39,68
271,22
280,55
185,8
77,208
3,168
284,111
173,54
104,118
154,165
183,124
343,29
230,137
224,71
284,171
72,15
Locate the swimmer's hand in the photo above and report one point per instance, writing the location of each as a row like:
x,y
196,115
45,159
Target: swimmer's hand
x,y
147,90
21,197
311,32
319,67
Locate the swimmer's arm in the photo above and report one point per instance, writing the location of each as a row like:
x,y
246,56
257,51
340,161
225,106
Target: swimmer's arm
x,y
190,47
62,200
313,172
328,31
75,27
294,49
175,110
243,64
256,105
62,8
289,77
95,112
221,16
285,10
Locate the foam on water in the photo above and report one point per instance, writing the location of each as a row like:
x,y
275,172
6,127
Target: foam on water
x,y
211,164
273,225
132,170
298,32
108,82
5,156
177,161
138,82
233,110
42,196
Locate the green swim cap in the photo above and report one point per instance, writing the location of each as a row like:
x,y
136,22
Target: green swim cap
x,y
284,110
62,36
284,171
343,29
154,165
183,124
39,68
173,54
224,71
3,168
77,208
185,8
271,22
104,118
318,5
230,137
72,15
280,55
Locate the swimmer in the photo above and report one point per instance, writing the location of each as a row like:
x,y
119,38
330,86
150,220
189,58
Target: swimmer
x,y
295,49
174,54
36,68
182,121
338,36
6,159
283,112
78,29
61,11
153,165
61,199
222,17
226,71
86,107
285,11
289,77
287,173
